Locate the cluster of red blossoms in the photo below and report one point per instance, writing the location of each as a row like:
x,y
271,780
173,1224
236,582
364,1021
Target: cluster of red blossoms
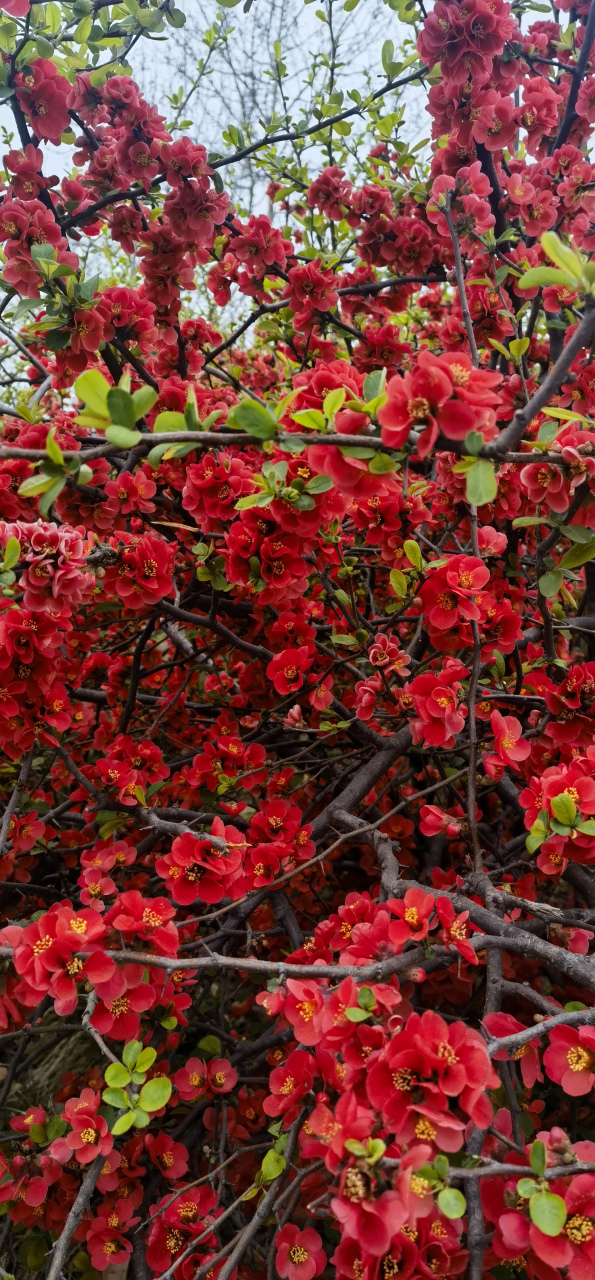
x,y
297,669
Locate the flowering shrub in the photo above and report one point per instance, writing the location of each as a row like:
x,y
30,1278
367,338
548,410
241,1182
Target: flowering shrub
x,y
297,676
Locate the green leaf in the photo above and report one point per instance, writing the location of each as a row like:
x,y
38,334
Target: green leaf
x,y
374,384
319,484
272,1165
116,1076
474,442
518,346
413,553
442,1165
452,1203
115,1098
382,464
355,1147
527,1187
550,583
578,555
375,1150
143,401
36,1253
576,533
356,1015
210,1045
155,455
528,522
122,436
538,1158
482,485
55,1127
253,500
535,277
355,451
398,583
129,1055
500,347
145,1060
34,485
548,1212
37,1133
12,552
121,408
333,400
313,419
48,496
43,253
252,417
155,1093
349,641
559,253
587,828
564,808
140,1118
366,999
123,1123
343,598
93,389
53,450
169,421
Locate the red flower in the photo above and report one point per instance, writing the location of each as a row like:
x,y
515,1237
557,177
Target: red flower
x,y
170,1157
503,1024
509,742
310,289
286,669
119,1017
570,1059
288,1084
413,916
300,1255
221,1076
304,1008
191,1080
455,929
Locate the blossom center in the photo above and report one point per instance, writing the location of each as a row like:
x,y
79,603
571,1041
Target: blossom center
x,y
579,1230
306,1010
425,1130
298,1254
418,408
579,1059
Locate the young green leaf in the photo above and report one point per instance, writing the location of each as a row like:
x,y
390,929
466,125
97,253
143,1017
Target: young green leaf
x,y
413,553
550,583
272,1165
482,485
92,388
548,1212
116,1076
121,408
452,1203
538,1158
123,437
564,808
252,417
12,552
115,1098
155,1093
129,1056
